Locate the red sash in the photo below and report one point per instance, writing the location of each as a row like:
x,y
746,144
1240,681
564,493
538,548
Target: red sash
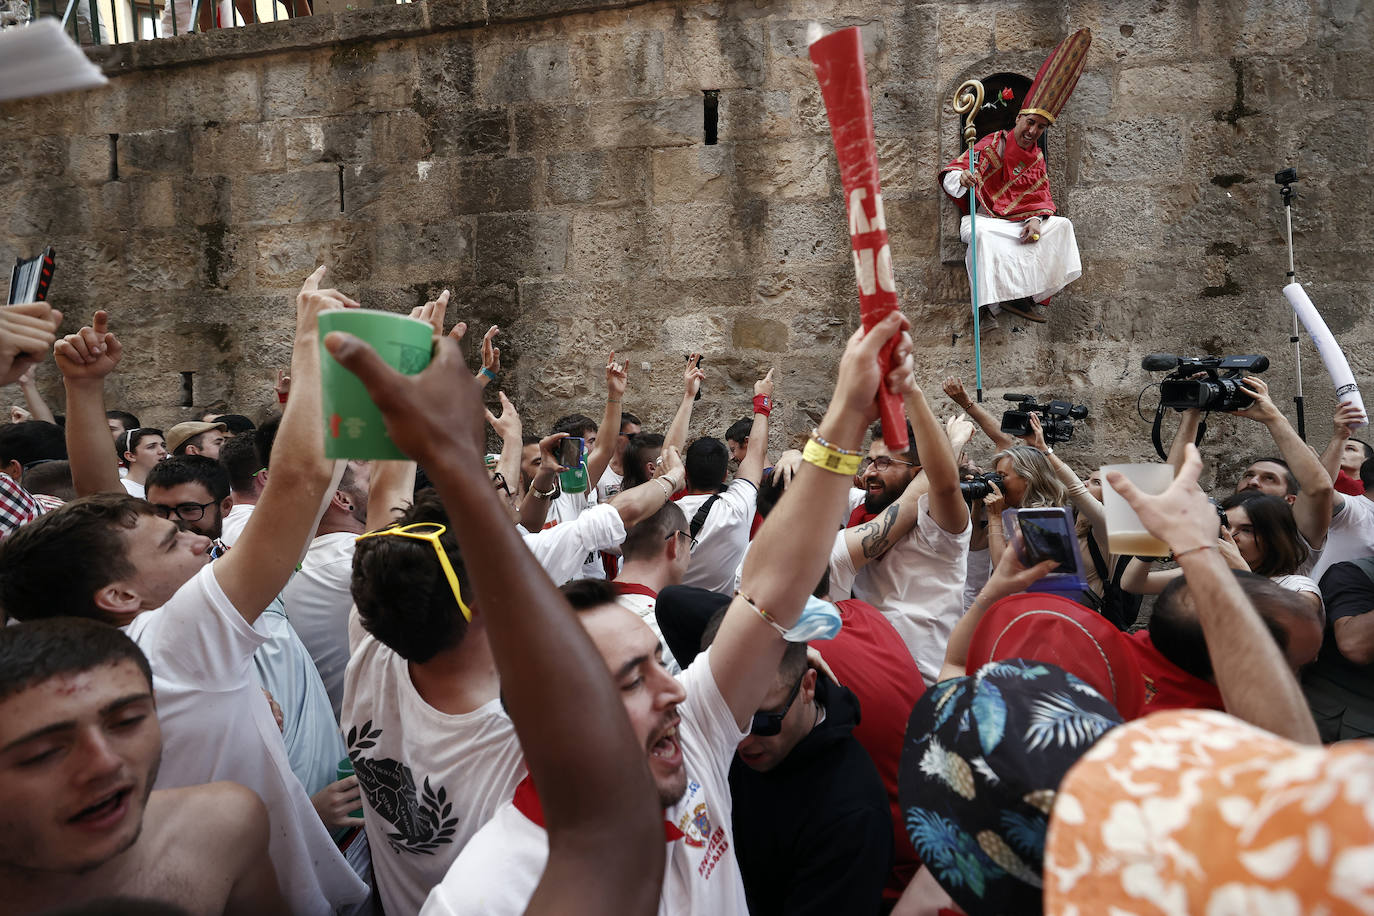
x,y
1012,183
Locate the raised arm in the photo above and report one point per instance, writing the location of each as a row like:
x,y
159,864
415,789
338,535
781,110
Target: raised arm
x,y
266,554
33,397
991,428
638,503
1347,419
511,431
938,463
27,333
1008,578
1316,496
85,358
1255,681
1188,425
692,377
534,506
756,453
605,825
617,375
870,540
791,550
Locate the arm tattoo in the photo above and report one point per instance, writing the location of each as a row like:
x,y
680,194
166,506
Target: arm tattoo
x,y
874,542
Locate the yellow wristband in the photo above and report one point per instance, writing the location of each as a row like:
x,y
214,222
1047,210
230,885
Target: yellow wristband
x,y
828,459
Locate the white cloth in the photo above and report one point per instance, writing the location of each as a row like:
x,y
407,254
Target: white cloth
x,y
609,484
133,489
643,607
498,871
429,780
1298,584
1350,537
285,669
317,600
569,507
234,522
216,725
977,571
919,586
723,538
1009,268
563,549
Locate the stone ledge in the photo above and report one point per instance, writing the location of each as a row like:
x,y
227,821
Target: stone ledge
x,y
368,24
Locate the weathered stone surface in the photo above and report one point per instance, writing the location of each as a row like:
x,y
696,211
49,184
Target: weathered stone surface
x,y
546,160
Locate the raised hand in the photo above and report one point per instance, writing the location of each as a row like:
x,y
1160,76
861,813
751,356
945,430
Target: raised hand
x,y
491,354
507,426
1036,437
27,333
548,452
1348,418
693,376
282,386
959,430
91,353
432,313
312,300
617,378
1262,408
860,375
765,385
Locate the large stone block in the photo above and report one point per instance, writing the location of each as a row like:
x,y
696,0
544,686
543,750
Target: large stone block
x,y
687,173
336,139
604,177
1272,27
406,250
787,169
155,151
711,240
516,74
807,233
617,244
789,64
161,261
753,333
666,122
229,92
618,65
752,114
725,54
1125,32
1145,150
469,132
303,195
553,126
519,245
286,255
225,149
1187,88
495,185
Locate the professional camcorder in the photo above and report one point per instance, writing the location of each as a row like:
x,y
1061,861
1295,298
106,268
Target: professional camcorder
x,y
1056,417
1216,385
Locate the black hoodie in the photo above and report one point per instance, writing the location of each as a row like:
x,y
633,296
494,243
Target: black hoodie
x,y
814,834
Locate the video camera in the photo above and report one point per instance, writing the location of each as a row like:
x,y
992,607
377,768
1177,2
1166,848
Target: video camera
x,y
1056,417
1220,390
978,485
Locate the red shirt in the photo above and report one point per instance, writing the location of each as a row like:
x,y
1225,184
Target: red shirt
x,y
870,658
1167,686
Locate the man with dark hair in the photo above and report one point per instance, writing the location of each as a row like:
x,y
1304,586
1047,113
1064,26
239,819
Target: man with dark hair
x,y
737,439
641,459
1340,684
530,459
235,424
50,478
1174,656
690,727
720,520
656,554
193,618
832,853
192,491
141,449
317,598
196,438
21,444
79,753
433,749
121,421
240,458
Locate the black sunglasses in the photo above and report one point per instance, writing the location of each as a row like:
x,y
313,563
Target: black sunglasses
x,y
187,512
767,724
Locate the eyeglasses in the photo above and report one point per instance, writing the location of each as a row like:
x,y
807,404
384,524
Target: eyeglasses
x,y
428,531
767,724
187,512
692,542
882,463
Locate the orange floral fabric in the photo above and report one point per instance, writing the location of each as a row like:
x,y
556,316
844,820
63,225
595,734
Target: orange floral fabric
x,y
1197,812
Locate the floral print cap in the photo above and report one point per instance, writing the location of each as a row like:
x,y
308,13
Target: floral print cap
x,y
1195,811
983,758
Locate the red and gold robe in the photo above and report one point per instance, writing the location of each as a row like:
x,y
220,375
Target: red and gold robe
x,y
1013,183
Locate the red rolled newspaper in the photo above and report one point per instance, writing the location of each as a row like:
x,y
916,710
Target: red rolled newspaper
x,y
838,59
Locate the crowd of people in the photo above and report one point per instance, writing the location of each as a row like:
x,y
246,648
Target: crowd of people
x,y
608,669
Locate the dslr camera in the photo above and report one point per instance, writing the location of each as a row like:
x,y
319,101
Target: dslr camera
x,y
1056,417
1216,385
977,486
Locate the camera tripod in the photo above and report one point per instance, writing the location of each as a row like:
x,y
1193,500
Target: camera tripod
x,y
1285,179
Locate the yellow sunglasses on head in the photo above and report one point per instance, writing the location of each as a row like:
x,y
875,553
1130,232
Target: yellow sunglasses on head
x,y
428,531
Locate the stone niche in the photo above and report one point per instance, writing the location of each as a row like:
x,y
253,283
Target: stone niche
x,y
658,178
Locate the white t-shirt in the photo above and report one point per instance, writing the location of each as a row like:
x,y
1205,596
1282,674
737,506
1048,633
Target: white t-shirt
x,y
1298,584
430,780
641,600
134,489
234,522
568,508
723,538
564,548
498,871
1350,537
919,587
216,725
609,484
317,600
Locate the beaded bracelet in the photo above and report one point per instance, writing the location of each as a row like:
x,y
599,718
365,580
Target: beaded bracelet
x,y
767,617
816,434
829,459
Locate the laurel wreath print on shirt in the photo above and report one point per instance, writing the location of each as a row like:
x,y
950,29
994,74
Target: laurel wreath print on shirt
x,y
423,821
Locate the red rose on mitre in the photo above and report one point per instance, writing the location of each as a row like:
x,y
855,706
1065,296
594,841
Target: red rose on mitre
x,y
1007,94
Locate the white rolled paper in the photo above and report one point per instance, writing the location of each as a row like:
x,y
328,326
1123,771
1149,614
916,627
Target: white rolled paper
x,y
1336,365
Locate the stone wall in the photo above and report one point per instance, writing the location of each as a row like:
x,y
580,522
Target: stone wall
x,y
546,161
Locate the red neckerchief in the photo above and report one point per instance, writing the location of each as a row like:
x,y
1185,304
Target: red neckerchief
x,y
526,801
633,588
860,515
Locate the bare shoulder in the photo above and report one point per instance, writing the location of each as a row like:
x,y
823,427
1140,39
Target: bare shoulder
x,y
239,815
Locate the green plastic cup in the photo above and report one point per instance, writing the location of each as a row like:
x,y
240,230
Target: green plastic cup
x,y
353,426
